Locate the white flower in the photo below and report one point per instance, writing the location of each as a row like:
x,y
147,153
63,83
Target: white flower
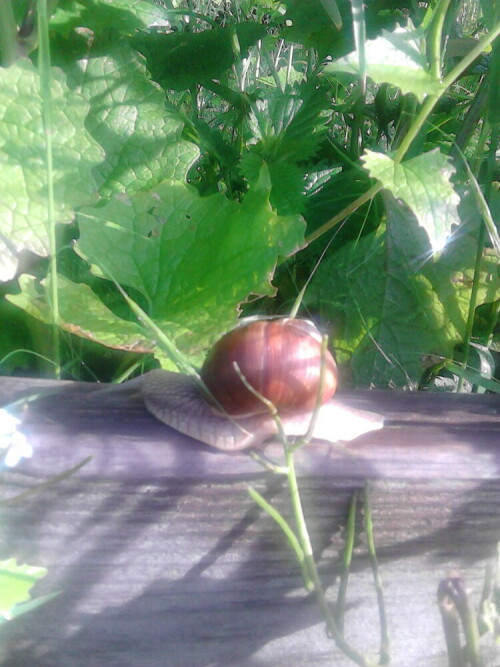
x,y
12,440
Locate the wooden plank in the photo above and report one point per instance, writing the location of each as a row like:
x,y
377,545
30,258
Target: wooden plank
x,y
163,559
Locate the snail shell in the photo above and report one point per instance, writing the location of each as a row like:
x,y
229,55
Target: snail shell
x,y
279,357
292,349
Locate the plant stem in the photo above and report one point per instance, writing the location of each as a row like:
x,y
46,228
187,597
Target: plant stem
x,y
45,485
479,250
306,439
433,99
351,208
305,542
290,535
412,133
451,626
435,38
346,563
384,632
9,45
46,95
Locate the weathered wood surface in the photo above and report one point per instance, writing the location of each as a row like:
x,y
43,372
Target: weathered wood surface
x,y
162,558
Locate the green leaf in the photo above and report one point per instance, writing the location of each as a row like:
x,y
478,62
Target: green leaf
x,y
182,59
16,582
290,125
194,259
125,16
474,378
81,313
494,89
423,183
312,24
335,194
287,182
397,58
23,189
128,117
391,307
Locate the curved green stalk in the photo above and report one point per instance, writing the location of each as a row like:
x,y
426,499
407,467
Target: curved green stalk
x,y
384,632
432,100
346,563
413,131
46,95
9,45
435,37
290,535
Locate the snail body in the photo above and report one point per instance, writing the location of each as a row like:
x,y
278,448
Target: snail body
x,y
278,357
175,400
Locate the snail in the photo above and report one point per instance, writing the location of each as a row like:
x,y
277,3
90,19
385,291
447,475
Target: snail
x,y
281,359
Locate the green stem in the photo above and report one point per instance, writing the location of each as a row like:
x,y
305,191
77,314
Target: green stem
x,y
346,564
45,485
413,131
384,631
272,68
46,95
9,44
306,439
290,535
305,543
479,254
375,189
451,627
433,99
435,38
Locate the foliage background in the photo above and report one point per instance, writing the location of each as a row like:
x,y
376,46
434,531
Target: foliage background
x,y
215,159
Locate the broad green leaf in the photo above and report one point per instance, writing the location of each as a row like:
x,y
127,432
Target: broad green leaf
x,y
397,58
182,59
309,23
391,307
23,195
128,117
16,582
423,183
82,313
125,16
194,259
290,126
287,182
494,90
336,193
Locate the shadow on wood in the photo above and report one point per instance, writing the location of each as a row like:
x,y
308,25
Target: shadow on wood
x,y
162,558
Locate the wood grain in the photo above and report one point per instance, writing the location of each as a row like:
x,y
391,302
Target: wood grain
x,y
162,558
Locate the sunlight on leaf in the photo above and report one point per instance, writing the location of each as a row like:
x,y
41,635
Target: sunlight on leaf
x,y
127,116
397,58
23,213
391,306
193,258
16,582
423,183
82,313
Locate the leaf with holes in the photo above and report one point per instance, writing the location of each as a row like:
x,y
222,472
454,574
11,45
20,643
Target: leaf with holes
x,y
194,259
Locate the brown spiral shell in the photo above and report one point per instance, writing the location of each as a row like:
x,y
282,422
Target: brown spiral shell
x,y
279,357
